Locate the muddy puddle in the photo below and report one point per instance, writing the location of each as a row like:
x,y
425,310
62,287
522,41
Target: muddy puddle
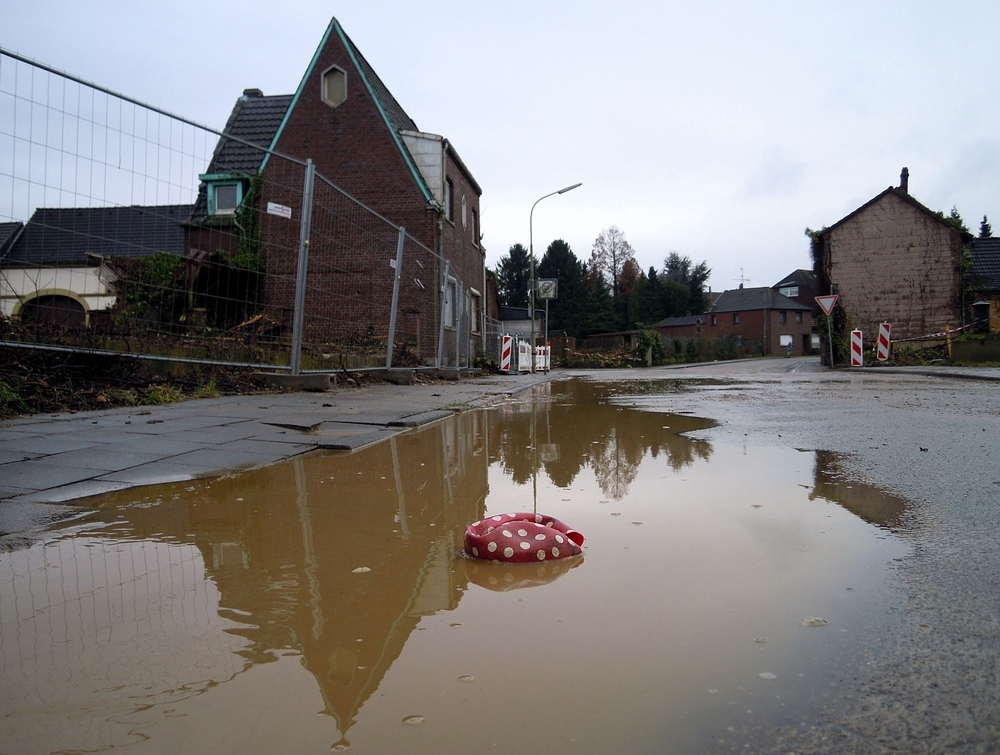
x,y
325,604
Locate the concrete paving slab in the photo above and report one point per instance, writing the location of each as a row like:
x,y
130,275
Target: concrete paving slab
x,y
71,492
221,458
9,454
42,475
157,473
110,457
22,516
40,445
354,442
214,436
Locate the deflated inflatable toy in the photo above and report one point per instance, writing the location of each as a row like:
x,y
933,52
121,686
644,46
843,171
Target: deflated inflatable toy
x,y
521,538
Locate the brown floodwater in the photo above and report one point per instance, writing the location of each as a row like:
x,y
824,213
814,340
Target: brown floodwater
x,y
324,603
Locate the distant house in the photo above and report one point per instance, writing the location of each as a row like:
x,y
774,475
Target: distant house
x,y
681,329
894,260
982,281
802,286
362,142
54,268
761,316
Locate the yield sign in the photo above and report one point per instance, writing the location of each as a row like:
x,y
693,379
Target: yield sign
x,y
826,303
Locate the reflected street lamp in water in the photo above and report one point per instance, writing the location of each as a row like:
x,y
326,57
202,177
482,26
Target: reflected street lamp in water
x,y
531,260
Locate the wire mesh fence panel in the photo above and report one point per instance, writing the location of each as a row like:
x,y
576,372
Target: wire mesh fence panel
x,y
125,229
349,287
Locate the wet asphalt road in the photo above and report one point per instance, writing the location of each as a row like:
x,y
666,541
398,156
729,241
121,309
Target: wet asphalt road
x,y
928,681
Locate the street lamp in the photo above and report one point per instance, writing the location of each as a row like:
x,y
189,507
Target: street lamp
x,y
531,260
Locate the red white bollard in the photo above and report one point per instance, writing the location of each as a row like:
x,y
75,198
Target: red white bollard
x,y
506,348
857,360
882,349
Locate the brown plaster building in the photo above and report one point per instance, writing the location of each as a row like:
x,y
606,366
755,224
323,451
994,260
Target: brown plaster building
x,y
894,260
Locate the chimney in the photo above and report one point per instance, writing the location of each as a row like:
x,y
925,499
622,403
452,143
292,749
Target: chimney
x,y
904,180
253,92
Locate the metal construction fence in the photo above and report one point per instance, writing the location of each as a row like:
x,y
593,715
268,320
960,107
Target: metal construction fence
x,y
111,242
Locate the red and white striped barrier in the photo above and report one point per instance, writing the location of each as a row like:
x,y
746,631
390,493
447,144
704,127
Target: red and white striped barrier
x,y
882,348
506,349
857,359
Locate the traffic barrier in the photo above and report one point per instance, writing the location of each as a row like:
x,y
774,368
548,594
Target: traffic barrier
x,y
506,349
857,359
523,356
882,348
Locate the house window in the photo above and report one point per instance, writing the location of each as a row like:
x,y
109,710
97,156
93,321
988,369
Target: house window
x,y
465,213
334,86
476,309
715,319
790,291
475,228
449,189
736,318
798,318
450,302
224,192
782,317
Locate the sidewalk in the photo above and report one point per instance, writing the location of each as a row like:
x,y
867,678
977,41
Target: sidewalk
x,y
49,460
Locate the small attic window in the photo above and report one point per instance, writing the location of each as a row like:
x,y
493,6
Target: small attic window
x,y
224,192
334,86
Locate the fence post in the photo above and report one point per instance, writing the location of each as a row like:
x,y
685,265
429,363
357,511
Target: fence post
x,y
398,265
445,274
298,314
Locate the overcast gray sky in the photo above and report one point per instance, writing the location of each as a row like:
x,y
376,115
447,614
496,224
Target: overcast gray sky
x,y
718,130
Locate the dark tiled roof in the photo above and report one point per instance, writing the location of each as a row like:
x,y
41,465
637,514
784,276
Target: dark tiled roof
x,y
255,119
984,274
677,322
398,118
8,233
747,299
799,277
65,236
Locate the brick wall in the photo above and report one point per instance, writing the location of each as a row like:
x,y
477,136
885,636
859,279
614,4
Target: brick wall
x,y
350,284
893,262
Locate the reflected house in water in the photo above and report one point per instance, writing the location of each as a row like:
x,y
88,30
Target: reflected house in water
x,y
336,556
570,425
871,504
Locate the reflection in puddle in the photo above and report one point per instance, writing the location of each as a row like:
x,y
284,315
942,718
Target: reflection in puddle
x,y
227,614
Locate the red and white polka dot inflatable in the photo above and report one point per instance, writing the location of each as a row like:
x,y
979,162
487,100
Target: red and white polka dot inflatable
x,y
521,538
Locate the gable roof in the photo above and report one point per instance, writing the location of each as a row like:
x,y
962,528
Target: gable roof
x,y
67,235
255,119
678,322
8,235
747,299
806,278
904,196
984,272
392,112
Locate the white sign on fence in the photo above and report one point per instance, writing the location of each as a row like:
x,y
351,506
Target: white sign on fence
x,y
273,208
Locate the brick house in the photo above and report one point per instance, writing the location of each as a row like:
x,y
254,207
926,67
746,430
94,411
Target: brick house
x,y
761,316
894,260
803,287
55,267
983,283
364,145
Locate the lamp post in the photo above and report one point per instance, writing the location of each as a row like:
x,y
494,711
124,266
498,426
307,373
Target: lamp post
x,y
531,261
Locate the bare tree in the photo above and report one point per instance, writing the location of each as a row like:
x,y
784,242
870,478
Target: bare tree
x,y
610,253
